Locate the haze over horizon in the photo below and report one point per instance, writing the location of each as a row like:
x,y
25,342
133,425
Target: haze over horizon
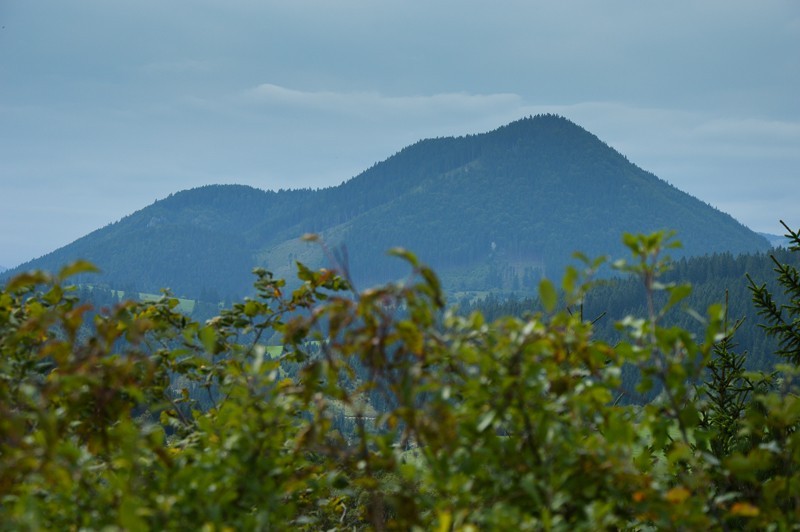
x,y
106,107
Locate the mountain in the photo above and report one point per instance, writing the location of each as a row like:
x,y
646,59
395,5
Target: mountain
x,y
493,210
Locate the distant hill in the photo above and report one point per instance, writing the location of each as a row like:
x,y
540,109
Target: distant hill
x,y
491,211
776,241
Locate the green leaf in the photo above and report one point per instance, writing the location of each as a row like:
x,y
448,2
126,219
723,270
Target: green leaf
x,y
250,309
208,336
128,515
485,420
433,282
79,266
404,254
677,294
570,278
304,273
27,280
548,295
632,242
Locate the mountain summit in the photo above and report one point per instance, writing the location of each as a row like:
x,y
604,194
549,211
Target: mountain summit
x,y
494,210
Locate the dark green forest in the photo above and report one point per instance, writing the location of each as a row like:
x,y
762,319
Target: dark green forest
x,y
714,279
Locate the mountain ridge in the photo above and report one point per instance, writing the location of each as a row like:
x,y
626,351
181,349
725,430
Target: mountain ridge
x,y
487,210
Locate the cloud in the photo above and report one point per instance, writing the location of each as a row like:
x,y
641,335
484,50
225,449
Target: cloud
x,y
780,133
361,103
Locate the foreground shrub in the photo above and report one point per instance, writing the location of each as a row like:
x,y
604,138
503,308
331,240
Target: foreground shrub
x,y
385,411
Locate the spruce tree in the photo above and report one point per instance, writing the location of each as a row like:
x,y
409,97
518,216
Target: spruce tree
x,y
782,319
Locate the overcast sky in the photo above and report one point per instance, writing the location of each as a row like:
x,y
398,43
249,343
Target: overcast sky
x,y
106,106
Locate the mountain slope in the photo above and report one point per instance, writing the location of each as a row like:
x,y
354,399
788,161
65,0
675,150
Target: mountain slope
x,y
495,210
529,194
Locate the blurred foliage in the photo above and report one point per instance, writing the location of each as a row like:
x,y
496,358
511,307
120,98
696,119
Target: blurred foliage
x,y
711,277
151,420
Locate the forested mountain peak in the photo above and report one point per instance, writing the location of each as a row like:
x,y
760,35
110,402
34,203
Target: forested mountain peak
x,y
495,210
442,154
543,127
